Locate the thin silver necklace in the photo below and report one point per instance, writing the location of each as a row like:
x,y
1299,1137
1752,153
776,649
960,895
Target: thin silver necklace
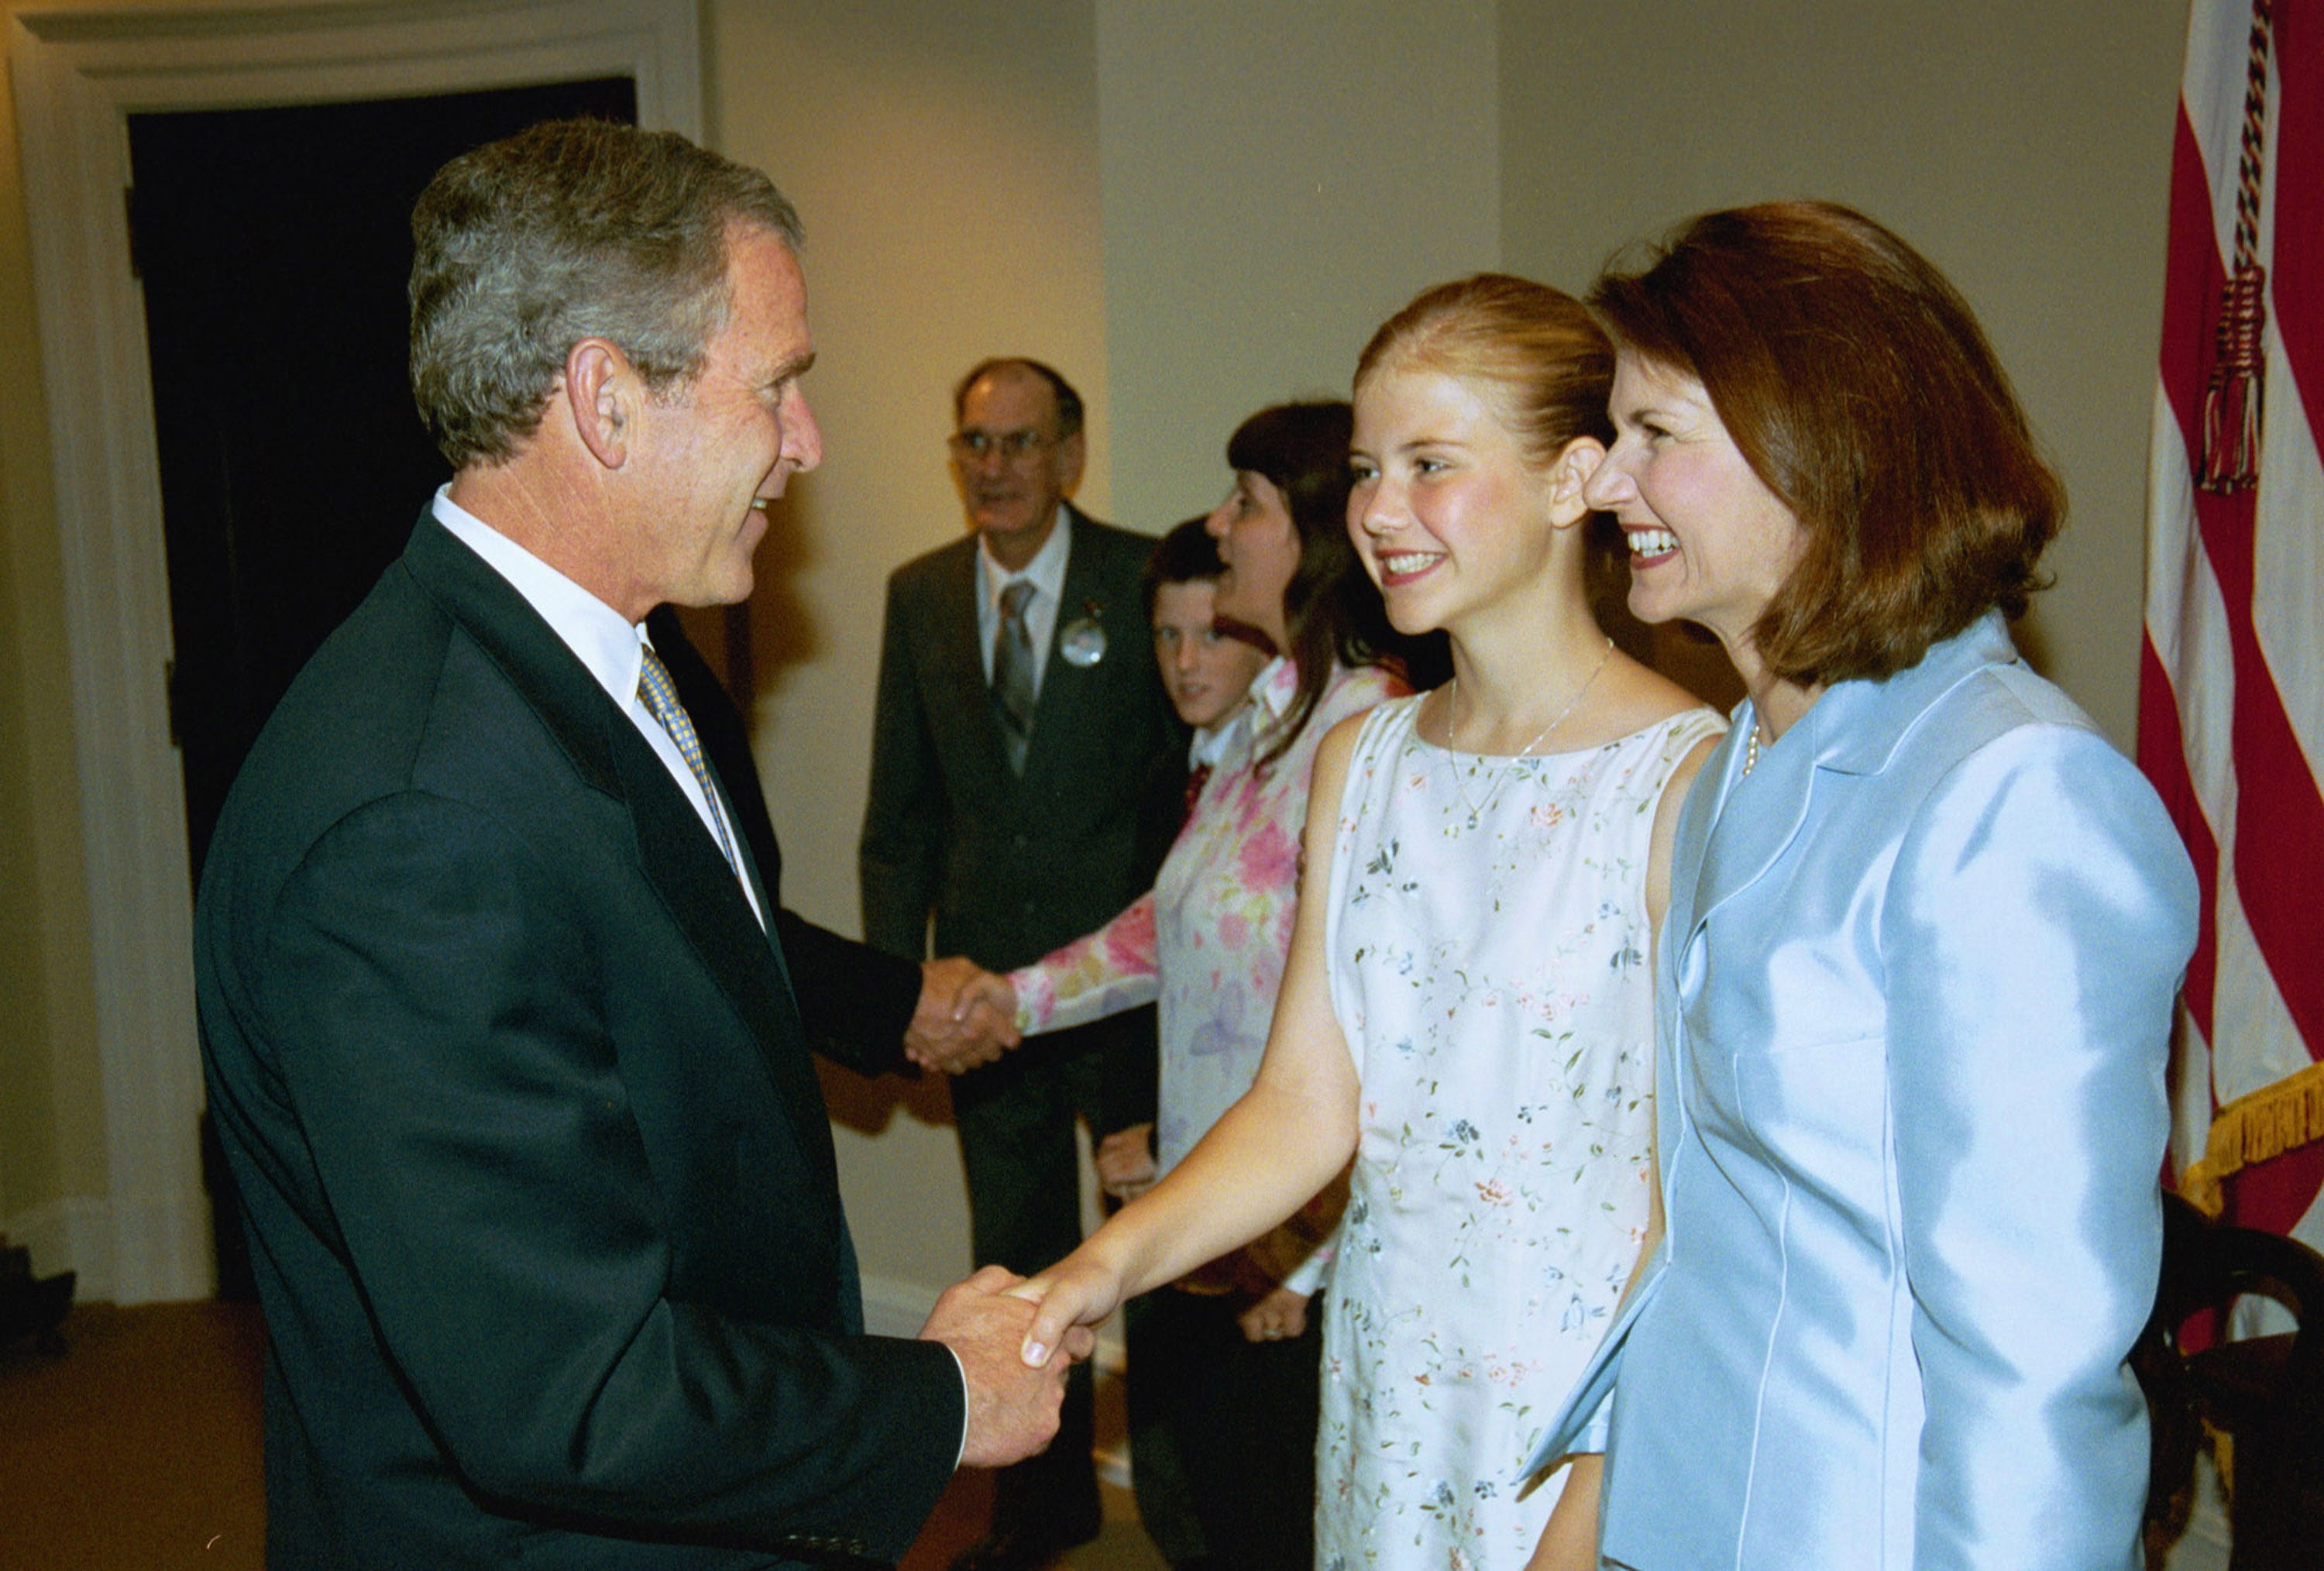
x,y
1500,776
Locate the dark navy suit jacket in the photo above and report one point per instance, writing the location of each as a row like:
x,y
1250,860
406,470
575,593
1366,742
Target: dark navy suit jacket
x,y
538,1177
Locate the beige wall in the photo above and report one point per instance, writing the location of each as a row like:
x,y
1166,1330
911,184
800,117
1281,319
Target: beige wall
x,y
2025,149
52,1100
943,156
1278,177
1074,182
1194,209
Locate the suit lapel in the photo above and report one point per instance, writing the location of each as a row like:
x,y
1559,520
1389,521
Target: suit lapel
x,y
1066,687
527,650
683,865
1853,729
1773,799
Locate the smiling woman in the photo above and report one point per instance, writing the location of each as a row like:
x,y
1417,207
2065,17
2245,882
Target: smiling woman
x,y
1709,541
1915,990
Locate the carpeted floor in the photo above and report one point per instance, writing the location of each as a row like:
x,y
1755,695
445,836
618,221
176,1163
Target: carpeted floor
x,y
138,1450
139,1447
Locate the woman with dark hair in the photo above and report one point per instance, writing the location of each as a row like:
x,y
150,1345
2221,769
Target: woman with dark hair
x,y
1467,1012
1915,985
1291,466
1235,1344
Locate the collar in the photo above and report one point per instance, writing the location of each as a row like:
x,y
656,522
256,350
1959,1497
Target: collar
x,y
1215,742
1046,571
1277,684
597,633
1856,726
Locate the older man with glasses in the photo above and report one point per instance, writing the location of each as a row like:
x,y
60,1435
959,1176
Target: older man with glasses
x,y
1026,769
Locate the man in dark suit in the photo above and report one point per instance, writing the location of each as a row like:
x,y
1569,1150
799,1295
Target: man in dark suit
x,y
505,1029
1023,756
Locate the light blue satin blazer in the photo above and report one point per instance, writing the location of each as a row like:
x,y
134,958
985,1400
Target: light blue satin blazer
x,y
1913,1003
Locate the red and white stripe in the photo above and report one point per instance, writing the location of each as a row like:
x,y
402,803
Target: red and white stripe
x,y
2231,710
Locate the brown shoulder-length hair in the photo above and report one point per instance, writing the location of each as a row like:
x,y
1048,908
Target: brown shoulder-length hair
x,y
1860,389
1331,612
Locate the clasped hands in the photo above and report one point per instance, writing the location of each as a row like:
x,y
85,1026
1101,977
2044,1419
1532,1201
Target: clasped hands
x,y
1012,1400
966,1016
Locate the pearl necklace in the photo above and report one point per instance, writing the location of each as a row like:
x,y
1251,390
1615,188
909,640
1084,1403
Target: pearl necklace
x,y
1476,809
1750,752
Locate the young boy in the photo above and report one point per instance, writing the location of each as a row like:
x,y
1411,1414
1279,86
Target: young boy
x,y
1207,669
1207,666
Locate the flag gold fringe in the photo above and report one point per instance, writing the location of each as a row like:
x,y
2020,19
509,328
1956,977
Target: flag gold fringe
x,y
2251,1129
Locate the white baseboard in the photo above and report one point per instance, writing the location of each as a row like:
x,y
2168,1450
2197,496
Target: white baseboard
x,y
892,1308
160,1250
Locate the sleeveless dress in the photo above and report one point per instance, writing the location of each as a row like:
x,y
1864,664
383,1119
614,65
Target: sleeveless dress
x,y
1487,943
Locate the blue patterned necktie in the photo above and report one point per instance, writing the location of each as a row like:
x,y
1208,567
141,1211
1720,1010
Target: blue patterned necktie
x,y
660,696
1012,673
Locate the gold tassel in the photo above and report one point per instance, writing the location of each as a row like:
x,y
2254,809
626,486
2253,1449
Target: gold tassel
x,y
2253,1128
2236,396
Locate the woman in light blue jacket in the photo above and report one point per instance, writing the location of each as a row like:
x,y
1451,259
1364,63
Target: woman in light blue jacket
x,y
1915,982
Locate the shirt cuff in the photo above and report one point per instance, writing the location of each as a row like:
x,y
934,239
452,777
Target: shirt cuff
x,y
959,1450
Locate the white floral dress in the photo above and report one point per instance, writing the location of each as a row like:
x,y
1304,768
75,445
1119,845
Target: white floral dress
x,y
1489,967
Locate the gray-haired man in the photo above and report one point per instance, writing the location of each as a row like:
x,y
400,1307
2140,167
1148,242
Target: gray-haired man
x,y
506,1031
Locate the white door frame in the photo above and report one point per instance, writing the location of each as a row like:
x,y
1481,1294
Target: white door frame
x,y
79,72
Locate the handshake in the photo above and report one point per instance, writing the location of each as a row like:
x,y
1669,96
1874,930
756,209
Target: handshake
x,y
966,1016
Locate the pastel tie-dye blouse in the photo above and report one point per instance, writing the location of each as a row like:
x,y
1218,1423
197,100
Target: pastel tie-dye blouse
x,y
1210,940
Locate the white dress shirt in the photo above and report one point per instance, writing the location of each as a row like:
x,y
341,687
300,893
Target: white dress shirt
x,y
1047,573
601,639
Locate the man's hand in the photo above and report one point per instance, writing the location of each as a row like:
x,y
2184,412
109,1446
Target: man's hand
x,y
966,1016
1012,1405
1279,1317
1125,1161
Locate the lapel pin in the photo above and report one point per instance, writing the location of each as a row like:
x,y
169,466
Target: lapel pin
x,y
1082,641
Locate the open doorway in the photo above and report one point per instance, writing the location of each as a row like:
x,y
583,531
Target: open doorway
x,y
273,245
142,1232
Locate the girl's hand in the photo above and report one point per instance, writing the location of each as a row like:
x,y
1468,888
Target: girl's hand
x,y
1076,1292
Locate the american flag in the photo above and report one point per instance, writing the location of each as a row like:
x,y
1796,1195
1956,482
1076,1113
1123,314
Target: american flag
x,y
2231,691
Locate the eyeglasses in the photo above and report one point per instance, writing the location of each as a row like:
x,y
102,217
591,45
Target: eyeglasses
x,y
973,447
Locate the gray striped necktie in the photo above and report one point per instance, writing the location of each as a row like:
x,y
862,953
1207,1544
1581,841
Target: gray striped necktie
x,y
1012,673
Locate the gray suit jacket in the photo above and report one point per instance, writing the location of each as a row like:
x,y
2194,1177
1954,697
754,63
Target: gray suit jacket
x,y
1011,868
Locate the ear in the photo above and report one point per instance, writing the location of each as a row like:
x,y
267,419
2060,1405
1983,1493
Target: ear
x,y
1072,454
1568,474
601,392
